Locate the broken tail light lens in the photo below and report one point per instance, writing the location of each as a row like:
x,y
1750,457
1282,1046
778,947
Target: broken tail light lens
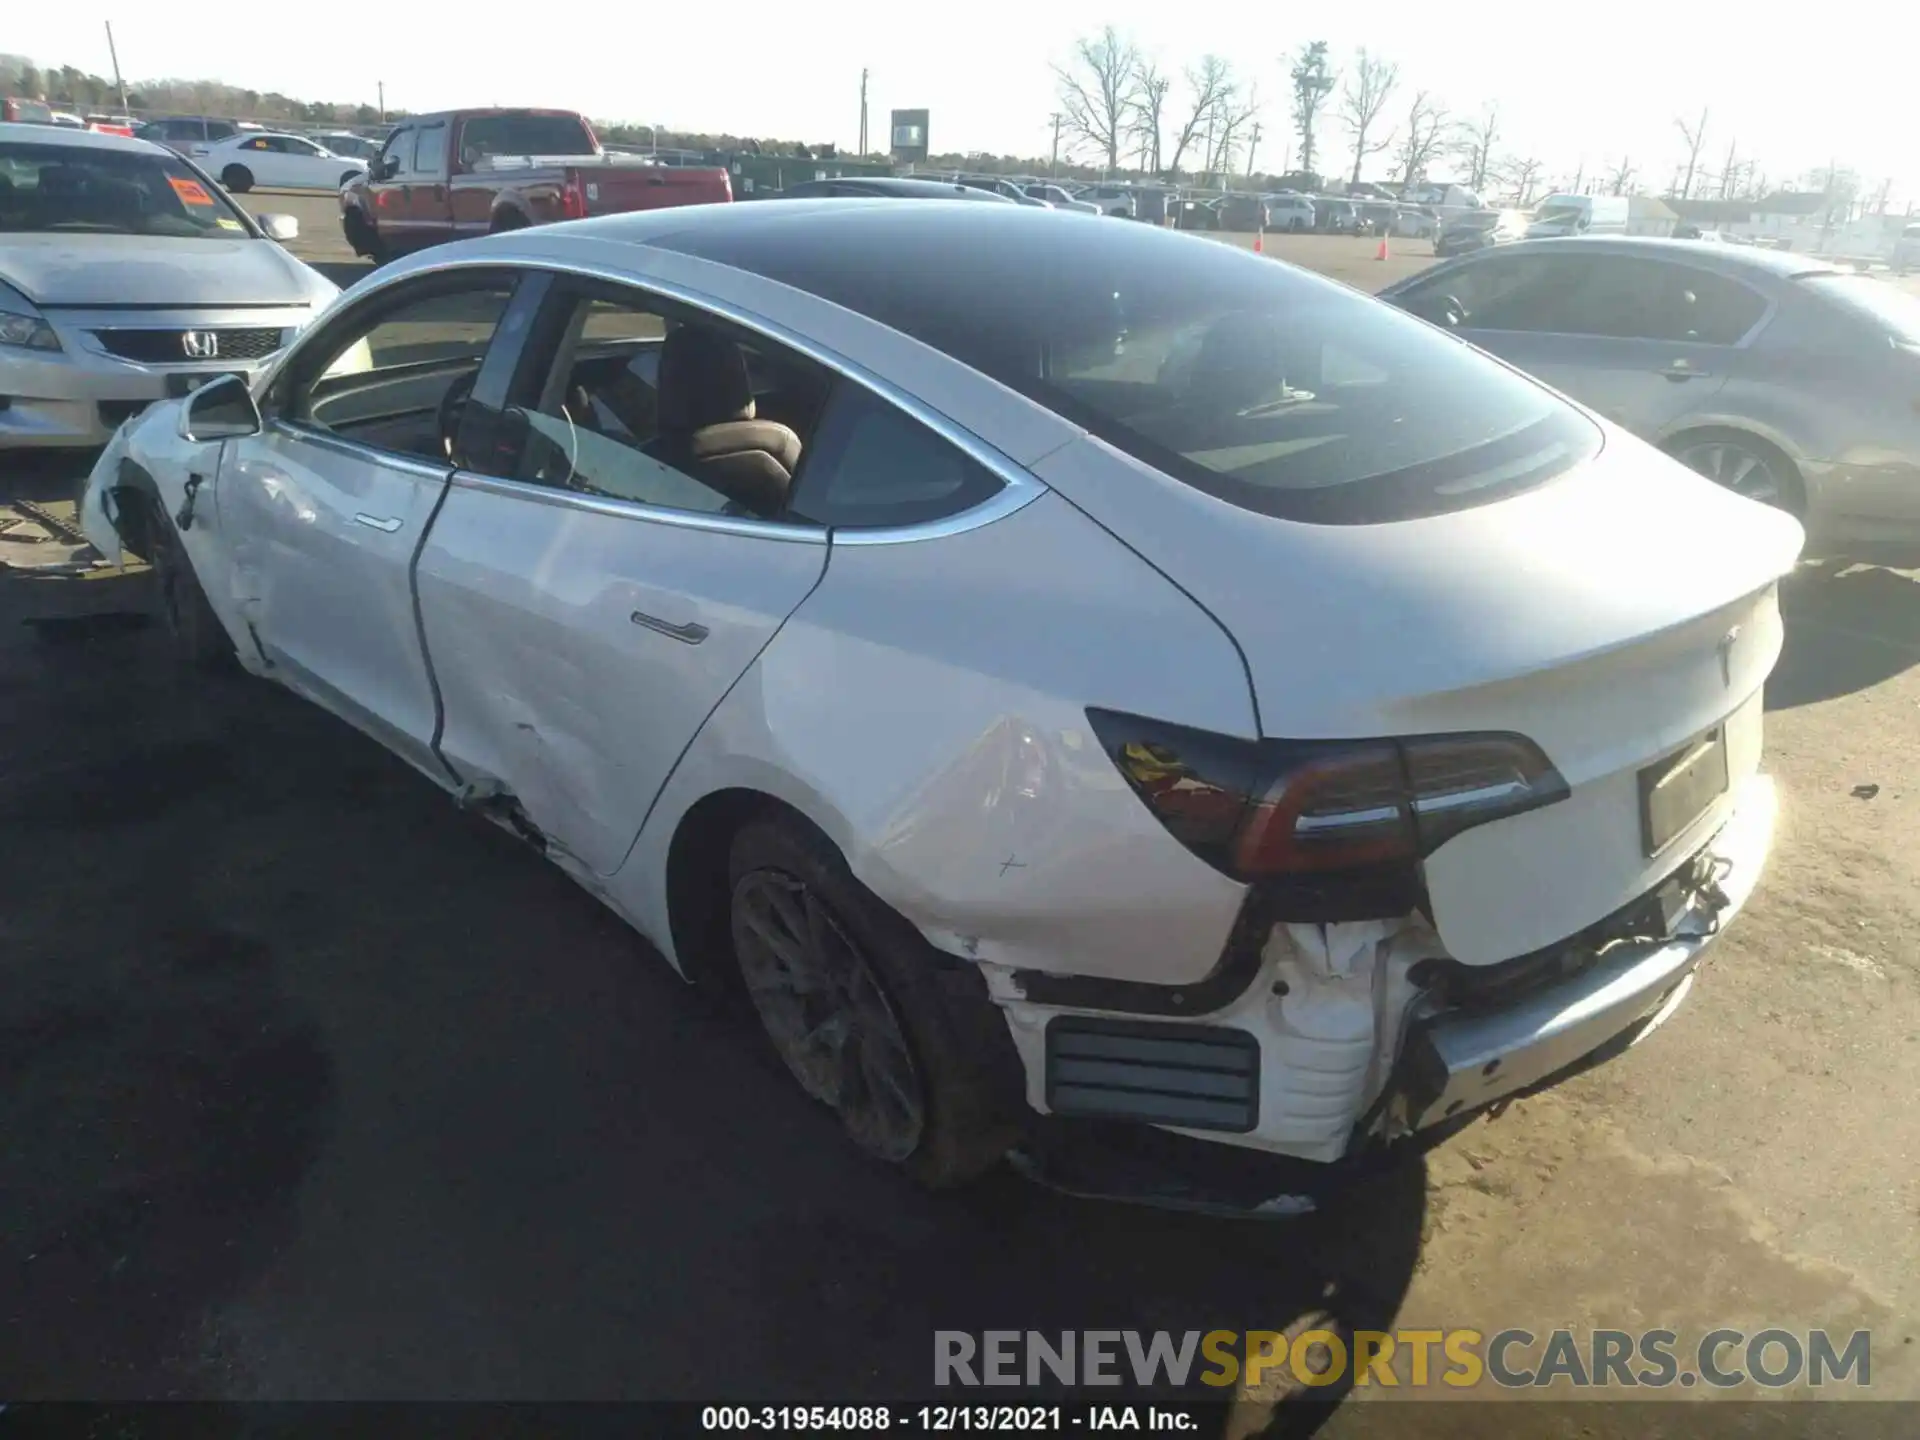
x,y
1269,809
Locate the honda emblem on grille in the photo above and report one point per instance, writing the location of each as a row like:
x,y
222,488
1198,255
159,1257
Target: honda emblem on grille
x,y
1726,655
200,344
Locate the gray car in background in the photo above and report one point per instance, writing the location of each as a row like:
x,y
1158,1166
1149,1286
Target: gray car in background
x,y
126,276
1786,379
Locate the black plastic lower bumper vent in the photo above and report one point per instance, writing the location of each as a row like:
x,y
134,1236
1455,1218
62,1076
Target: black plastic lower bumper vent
x,y
1203,1077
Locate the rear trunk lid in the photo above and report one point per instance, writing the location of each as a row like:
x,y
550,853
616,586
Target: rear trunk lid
x,y
1612,617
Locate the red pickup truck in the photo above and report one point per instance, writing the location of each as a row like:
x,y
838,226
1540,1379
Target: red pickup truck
x,y
474,172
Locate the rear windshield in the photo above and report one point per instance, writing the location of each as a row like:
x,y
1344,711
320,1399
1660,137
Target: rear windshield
x,y
70,189
1262,385
525,135
1893,310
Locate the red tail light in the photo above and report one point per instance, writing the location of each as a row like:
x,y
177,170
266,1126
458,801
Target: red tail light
x,y
573,199
1321,814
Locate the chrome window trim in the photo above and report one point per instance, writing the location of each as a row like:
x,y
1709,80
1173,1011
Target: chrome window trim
x,y
617,509
1019,487
354,450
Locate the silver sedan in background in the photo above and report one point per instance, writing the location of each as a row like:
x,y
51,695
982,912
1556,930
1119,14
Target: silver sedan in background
x,y
1784,378
126,276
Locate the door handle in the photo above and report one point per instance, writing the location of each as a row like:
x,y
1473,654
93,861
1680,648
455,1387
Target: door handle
x,y
386,524
692,633
1681,370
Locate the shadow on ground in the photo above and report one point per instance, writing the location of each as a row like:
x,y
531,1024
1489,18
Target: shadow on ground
x,y
314,1087
1844,634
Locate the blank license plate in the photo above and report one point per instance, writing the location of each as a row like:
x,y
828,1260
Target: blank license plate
x,y
178,385
1674,792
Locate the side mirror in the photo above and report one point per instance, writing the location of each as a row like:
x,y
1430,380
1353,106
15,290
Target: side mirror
x,y
221,409
280,227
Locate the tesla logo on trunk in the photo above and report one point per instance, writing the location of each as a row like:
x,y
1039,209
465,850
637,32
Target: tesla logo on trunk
x,y
1726,655
200,344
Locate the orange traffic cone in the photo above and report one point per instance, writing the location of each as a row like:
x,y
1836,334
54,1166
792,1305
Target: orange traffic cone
x,y
1382,253
1259,242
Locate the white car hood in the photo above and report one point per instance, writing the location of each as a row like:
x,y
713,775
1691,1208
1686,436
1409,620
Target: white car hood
x,y
64,269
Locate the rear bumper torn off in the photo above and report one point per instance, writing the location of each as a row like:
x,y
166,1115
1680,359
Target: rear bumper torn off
x,y
1455,1064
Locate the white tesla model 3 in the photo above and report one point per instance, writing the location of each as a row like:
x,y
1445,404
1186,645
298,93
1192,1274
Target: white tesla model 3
x,y
1054,671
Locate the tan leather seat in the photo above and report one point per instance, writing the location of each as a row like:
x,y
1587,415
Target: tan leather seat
x,y
707,424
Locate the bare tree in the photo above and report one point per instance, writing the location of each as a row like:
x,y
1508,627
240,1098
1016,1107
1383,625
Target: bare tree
x,y
1232,116
1621,178
1150,89
1696,137
1730,172
1313,81
1477,139
1523,178
1208,86
1097,91
1369,87
1427,128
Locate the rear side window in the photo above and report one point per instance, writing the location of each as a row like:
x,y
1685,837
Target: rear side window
x,y
874,465
1261,385
1611,296
486,135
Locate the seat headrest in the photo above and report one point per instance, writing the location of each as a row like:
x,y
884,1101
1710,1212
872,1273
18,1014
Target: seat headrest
x,y
703,380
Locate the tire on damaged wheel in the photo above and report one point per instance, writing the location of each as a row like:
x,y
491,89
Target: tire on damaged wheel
x,y
900,1041
193,629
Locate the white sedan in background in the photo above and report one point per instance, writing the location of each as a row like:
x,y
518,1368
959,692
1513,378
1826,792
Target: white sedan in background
x,y
127,276
284,162
1061,676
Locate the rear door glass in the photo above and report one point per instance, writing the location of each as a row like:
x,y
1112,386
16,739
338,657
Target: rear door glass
x,y
1264,386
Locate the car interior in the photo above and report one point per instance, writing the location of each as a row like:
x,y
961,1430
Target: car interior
x,y
662,412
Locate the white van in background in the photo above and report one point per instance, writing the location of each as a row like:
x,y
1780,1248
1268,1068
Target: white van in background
x,y
1579,215
1906,250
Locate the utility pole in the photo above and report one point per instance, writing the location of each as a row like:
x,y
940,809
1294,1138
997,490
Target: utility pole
x,y
381,86
118,83
1053,165
1253,144
1727,175
863,114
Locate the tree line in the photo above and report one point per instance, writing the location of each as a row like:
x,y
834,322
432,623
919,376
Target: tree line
x,y
1123,110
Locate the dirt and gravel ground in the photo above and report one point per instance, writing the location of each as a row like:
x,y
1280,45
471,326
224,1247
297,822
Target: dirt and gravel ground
x,y
313,1087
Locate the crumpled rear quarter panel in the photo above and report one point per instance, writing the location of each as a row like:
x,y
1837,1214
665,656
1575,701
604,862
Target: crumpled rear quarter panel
x,y
926,706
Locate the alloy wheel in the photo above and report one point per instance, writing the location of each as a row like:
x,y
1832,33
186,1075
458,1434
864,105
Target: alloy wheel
x,y
1728,463
826,1014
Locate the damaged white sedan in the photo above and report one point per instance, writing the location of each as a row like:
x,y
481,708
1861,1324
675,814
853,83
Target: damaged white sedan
x,y
1075,681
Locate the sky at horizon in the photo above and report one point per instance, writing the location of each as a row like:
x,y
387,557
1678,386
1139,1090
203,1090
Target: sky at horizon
x,y
1574,90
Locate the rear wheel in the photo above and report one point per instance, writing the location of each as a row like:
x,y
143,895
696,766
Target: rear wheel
x,y
920,1071
347,178
508,220
1744,464
237,178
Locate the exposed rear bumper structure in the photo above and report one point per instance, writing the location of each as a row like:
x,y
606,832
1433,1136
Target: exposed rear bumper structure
x,y
1451,1063
1460,1063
